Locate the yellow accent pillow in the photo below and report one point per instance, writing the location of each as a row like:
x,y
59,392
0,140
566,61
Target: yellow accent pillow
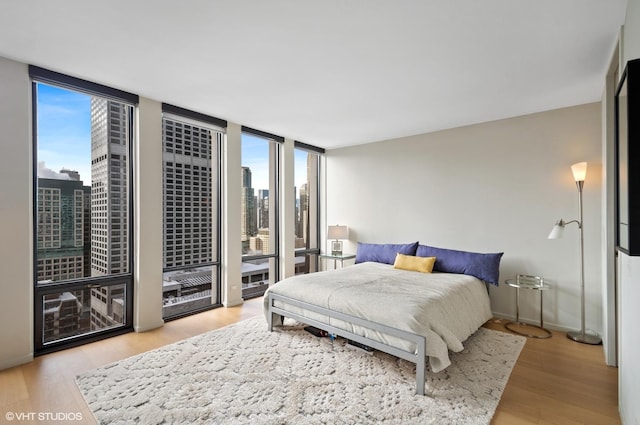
x,y
415,264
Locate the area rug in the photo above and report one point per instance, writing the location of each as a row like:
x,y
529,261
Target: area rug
x,y
244,374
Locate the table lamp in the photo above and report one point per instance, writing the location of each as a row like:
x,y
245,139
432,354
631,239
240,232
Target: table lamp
x,y
336,233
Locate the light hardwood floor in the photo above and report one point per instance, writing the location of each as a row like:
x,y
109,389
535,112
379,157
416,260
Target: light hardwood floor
x,y
556,381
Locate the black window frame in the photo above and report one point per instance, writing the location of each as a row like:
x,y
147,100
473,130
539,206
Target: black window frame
x,y
273,206
45,76
320,152
178,112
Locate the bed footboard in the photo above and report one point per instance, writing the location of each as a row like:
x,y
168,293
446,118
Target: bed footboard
x,y
276,314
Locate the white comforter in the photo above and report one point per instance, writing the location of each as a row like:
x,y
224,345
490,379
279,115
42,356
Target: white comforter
x,y
445,308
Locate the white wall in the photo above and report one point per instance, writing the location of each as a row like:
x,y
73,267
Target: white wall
x,y
629,273
491,187
231,235
147,279
608,231
629,348
16,303
631,32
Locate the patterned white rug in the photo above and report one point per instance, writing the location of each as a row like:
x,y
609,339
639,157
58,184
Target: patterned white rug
x,y
246,374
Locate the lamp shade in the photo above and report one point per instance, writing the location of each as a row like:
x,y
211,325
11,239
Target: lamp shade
x,y
579,171
338,232
556,232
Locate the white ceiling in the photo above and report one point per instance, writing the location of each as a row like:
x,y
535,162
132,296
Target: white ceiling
x,y
330,73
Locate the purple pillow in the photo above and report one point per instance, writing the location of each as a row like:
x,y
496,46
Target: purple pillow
x,y
483,266
383,253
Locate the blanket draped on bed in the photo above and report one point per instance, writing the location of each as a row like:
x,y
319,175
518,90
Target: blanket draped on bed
x,y
445,308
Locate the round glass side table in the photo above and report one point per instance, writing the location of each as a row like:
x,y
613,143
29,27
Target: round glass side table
x,y
533,283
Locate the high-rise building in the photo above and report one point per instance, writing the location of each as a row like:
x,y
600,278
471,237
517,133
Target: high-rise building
x,y
62,316
73,174
303,213
263,209
107,306
188,221
109,183
248,222
260,242
190,228
62,243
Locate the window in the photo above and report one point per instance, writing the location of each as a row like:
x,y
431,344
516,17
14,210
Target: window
x,y
191,211
307,167
82,209
259,211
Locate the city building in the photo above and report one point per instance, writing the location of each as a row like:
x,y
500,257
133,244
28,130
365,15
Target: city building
x,y
186,290
188,185
263,208
107,306
109,184
63,316
302,216
63,226
248,213
189,230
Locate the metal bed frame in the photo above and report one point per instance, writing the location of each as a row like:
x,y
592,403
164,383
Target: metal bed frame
x,y
276,314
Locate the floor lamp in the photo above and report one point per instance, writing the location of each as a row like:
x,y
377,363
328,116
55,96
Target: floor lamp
x,y
579,173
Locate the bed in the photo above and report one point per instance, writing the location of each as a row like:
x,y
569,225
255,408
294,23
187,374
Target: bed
x,y
409,314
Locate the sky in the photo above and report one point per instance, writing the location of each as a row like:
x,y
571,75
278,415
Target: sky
x,y
64,132
255,155
64,140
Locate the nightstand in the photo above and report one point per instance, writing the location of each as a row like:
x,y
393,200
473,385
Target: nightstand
x,y
532,283
337,258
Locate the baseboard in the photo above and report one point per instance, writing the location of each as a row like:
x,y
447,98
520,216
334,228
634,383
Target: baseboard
x,y
149,327
16,361
232,303
536,321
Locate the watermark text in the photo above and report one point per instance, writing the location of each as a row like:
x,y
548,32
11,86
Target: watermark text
x,y
43,416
